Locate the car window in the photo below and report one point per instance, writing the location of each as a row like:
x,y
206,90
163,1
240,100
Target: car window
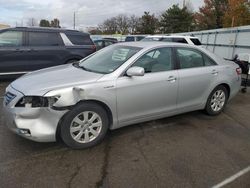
x,y
180,40
44,39
140,38
167,40
128,39
80,39
11,38
208,61
107,43
98,43
189,58
156,60
152,39
196,41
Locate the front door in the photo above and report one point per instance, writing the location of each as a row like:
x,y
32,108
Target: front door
x,y
151,95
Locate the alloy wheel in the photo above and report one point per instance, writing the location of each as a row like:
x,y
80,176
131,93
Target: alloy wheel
x,y
86,127
218,100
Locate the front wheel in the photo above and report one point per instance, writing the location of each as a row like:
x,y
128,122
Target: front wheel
x,y
217,100
84,126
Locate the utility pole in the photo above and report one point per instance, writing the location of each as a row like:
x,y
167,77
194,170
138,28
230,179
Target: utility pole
x,y
74,19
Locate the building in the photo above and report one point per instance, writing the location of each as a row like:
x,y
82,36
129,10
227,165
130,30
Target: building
x,y
3,26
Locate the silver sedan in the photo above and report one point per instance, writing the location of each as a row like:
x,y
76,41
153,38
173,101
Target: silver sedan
x,y
120,85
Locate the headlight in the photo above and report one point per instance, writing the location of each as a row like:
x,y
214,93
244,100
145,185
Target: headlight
x,y
37,101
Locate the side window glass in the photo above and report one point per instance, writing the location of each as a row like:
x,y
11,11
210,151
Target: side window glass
x,y
78,39
208,61
156,60
11,38
44,39
107,43
99,43
180,40
167,40
189,58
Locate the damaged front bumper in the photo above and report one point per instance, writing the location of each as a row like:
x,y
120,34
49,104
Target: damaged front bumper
x,y
37,124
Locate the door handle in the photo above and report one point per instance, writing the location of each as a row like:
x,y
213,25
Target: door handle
x,y
18,50
215,72
171,79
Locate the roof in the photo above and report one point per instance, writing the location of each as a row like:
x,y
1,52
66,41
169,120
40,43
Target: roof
x,y
169,36
150,44
48,29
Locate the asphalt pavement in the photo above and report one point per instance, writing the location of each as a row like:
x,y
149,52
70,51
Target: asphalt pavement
x,y
188,150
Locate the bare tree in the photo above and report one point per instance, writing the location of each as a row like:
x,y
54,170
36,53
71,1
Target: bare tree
x,y
109,26
32,22
55,23
122,22
133,24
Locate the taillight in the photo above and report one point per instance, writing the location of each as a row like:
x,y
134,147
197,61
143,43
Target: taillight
x,y
93,47
238,71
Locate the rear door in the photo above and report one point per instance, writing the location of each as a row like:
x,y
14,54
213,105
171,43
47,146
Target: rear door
x,y
44,49
197,73
12,60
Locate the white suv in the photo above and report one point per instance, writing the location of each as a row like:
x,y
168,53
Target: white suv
x,y
173,38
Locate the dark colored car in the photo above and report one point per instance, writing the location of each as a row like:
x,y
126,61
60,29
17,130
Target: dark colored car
x,y
132,38
102,43
24,49
110,38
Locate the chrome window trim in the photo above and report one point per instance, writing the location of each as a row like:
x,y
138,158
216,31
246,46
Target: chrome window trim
x,y
12,73
66,40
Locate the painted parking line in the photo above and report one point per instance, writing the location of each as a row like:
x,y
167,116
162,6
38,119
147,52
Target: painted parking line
x,y
232,178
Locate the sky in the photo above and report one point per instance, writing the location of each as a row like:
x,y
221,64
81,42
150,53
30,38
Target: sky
x,y
89,13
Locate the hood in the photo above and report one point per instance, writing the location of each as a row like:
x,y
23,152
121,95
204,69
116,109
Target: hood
x,y
44,80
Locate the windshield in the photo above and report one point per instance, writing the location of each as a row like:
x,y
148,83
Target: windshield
x,y
108,59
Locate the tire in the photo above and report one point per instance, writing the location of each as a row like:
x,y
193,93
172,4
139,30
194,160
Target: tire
x,y
84,126
216,101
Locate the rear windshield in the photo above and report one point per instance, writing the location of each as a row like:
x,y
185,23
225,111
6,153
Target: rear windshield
x,y
196,41
129,39
80,39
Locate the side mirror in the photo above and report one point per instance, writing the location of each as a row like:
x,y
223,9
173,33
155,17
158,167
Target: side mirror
x,y
135,71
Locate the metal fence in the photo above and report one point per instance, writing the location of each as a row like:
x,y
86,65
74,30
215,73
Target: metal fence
x,y
225,42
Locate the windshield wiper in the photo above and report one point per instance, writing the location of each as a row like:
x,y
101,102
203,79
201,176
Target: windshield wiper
x,y
76,64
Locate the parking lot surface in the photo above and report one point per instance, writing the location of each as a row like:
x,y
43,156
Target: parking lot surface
x,y
188,150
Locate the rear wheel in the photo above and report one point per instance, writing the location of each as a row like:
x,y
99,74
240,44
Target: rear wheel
x,y
84,126
217,100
